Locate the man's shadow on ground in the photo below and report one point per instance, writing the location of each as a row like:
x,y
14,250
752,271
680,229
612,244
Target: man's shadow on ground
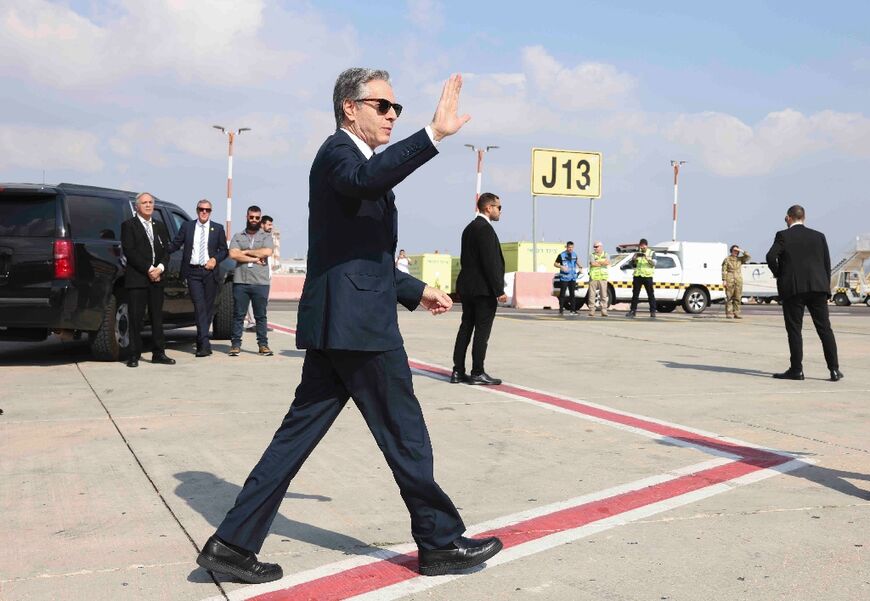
x,y
212,497
716,368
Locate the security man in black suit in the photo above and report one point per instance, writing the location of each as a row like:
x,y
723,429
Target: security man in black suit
x,y
205,246
801,263
348,325
480,286
145,243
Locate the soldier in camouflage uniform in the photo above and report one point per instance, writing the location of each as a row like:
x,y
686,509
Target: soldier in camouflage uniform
x,y
732,277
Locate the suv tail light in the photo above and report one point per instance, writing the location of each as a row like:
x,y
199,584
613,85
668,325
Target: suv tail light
x,y
64,265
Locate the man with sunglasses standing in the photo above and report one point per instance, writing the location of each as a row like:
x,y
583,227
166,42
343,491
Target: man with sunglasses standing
x,y
348,326
205,246
251,250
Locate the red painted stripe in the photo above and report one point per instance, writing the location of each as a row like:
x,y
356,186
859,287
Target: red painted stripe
x,y
380,574
626,420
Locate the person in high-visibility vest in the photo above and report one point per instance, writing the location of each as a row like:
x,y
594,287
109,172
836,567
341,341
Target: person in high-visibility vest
x,y
598,264
569,268
644,268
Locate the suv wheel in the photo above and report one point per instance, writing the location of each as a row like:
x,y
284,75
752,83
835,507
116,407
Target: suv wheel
x,y
222,328
112,341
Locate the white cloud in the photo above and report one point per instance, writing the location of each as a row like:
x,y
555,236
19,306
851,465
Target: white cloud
x,y
585,86
220,42
48,148
730,147
157,140
427,15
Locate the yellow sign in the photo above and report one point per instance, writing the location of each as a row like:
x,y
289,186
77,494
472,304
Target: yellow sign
x,y
566,173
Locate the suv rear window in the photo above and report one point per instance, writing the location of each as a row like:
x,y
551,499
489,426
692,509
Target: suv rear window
x,y
27,214
96,217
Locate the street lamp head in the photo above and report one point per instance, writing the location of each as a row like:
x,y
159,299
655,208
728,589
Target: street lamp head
x,y
241,129
471,146
222,130
488,148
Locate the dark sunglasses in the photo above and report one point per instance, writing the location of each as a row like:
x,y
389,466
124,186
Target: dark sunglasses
x,y
384,105
254,218
203,210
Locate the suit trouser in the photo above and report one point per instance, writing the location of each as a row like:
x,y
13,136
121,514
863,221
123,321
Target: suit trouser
x,y
138,299
733,294
793,312
647,283
597,288
380,385
203,290
478,313
572,289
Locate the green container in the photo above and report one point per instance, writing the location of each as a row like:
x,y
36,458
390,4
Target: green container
x,y
435,269
518,255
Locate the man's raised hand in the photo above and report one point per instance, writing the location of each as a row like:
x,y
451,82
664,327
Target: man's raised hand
x,y
447,120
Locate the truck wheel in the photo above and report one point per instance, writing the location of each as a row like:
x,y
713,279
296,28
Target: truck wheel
x,y
579,302
695,300
222,327
867,300
112,341
612,294
841,300
665,307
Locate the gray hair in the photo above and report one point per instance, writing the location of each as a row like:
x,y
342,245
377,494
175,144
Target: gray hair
x,y
142,194
351,84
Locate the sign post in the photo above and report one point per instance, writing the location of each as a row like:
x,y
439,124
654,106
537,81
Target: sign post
x,y
571,173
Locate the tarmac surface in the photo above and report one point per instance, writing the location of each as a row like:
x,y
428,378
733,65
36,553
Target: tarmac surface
x,y
622,460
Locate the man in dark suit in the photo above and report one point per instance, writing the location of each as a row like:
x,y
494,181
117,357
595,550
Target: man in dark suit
x,y
480,286
348,325
801,263
205,246
145,242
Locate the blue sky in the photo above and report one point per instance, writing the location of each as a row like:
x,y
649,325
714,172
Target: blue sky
x,y
767,101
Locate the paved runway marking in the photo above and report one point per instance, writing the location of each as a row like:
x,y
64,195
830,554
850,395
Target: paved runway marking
x,y
391,573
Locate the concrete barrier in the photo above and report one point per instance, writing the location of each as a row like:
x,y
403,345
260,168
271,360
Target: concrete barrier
x,y
286,286
534,291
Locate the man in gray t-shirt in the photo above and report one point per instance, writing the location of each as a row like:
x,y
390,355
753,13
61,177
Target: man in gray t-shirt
x,y
251,250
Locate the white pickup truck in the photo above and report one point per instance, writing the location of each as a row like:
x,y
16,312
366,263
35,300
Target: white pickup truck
x,y
688,274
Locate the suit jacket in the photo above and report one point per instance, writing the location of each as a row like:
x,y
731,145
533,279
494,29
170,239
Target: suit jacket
x,y
800,261
137,251
217,244
352,284
481,262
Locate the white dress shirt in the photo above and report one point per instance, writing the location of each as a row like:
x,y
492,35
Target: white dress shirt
x,y
199,230
149,225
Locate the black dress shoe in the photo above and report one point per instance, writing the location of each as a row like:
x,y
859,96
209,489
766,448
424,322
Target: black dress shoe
x,y
203,352
162,359
218,556
790,375
133,362
836,375
483,379
458,377
462,554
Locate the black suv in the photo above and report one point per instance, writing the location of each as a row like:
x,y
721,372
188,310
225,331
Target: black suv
x,y
62,269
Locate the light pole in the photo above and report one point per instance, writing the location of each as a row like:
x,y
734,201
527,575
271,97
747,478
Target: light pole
x,y
232,135
480,152
676,166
